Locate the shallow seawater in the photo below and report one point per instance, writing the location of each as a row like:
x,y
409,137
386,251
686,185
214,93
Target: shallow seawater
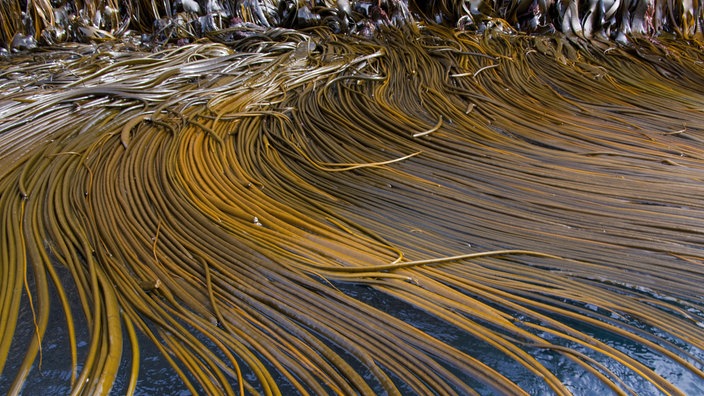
x,y
571,374
157,377
51,373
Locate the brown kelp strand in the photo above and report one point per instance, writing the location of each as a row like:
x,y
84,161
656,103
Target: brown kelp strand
x,y
25,25
238,207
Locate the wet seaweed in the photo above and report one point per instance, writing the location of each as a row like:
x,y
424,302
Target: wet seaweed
x,y
538,194
24,25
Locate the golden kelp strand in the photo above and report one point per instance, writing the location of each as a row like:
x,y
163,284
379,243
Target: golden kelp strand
x,y
233,220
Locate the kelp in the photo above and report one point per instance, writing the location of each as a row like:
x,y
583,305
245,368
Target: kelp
x,y
25,24
538,197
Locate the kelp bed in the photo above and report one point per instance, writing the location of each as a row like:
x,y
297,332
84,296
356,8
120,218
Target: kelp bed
x,y
423,210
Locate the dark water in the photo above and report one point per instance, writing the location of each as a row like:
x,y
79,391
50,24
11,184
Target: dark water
x,y
157,377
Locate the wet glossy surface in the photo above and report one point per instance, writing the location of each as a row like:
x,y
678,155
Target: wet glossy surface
x,y
424,211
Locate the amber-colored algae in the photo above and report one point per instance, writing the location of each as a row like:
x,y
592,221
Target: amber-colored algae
x,y
540,195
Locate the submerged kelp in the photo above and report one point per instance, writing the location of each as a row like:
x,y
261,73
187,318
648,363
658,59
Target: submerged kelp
x,y
541,200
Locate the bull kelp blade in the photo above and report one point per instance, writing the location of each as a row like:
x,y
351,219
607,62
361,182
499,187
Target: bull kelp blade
x,y
219,200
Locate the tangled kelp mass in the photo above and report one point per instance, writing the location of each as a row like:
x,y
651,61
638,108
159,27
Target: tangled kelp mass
x,y
235,205
25,23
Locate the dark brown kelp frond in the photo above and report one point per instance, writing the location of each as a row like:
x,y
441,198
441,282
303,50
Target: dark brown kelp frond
x,y
159,22
10,21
